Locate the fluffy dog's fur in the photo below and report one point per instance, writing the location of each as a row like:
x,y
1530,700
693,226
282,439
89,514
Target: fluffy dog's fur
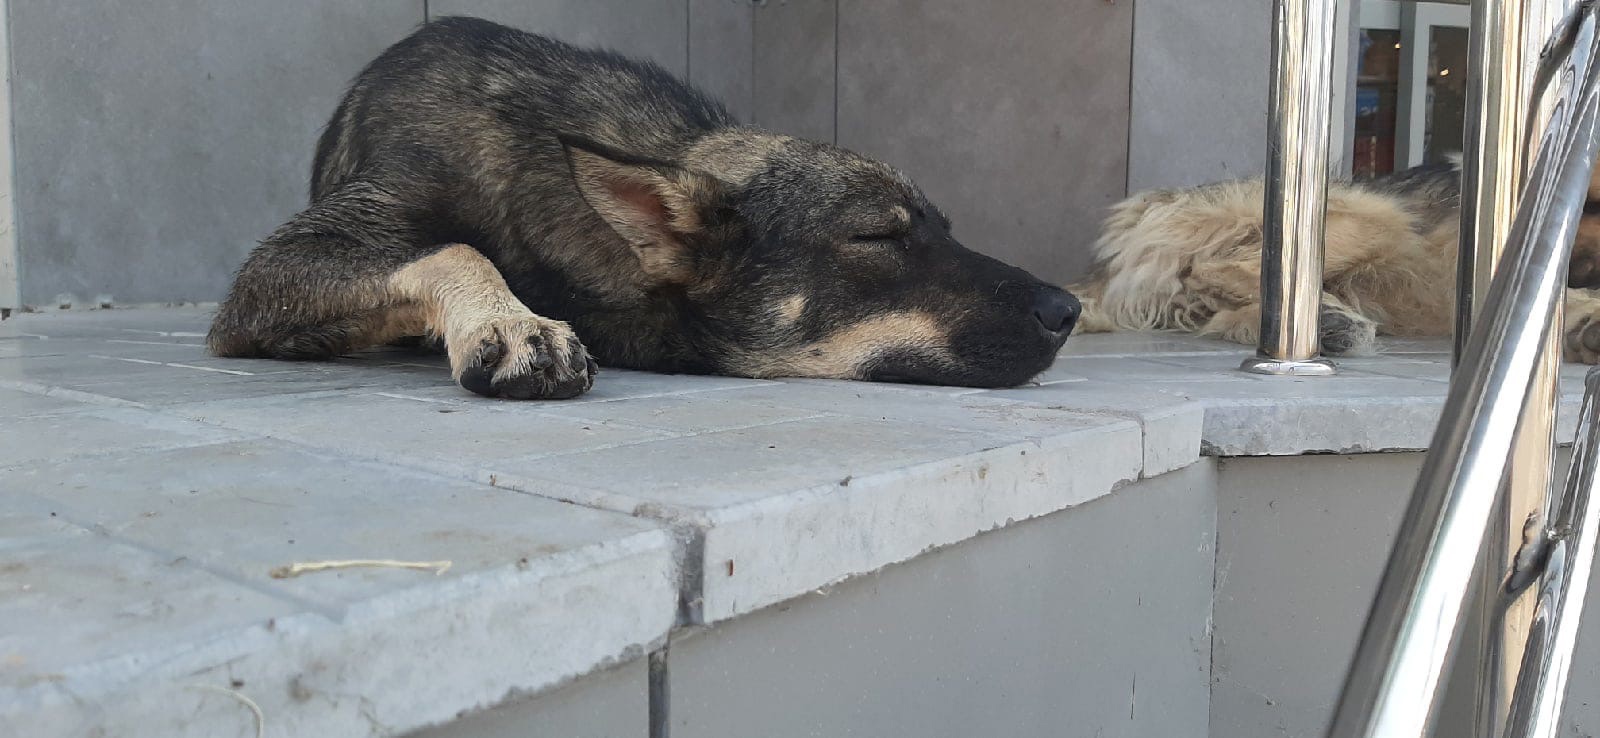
x,y
1190,260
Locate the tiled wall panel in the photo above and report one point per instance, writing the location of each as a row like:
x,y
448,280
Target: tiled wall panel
x,y
157,141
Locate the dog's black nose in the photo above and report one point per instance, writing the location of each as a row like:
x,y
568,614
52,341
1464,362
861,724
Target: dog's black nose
x,y
1056,309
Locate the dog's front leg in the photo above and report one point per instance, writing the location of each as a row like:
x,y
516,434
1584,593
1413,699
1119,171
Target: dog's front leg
x,y
1232,293
497,346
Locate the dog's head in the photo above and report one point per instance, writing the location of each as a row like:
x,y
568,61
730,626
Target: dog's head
x,y
793,258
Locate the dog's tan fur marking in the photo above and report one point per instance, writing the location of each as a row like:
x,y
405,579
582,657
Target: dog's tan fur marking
x,y
902,216
461,296
848,353
733,158
792,309
396,321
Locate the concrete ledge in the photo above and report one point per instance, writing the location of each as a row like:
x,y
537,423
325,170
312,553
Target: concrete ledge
x,y
654,501
1066,625
1390,402
769,551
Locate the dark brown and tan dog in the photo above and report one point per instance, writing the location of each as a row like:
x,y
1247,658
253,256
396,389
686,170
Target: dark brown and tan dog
x,y
1190,260
539,207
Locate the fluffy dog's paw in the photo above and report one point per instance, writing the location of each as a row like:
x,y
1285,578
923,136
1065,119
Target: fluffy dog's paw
x,y
522,358
1346,334
1582,340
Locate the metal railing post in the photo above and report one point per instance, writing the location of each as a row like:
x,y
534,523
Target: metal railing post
x,y
1506,115
1296,188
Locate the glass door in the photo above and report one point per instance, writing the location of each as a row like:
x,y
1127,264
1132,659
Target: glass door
x,y
1409,93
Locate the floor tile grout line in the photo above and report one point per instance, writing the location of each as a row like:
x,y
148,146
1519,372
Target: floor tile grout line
x,y
89,399
153,343
632,425
485,476
173,558
160,448
240,434
175,365
442,471
465,400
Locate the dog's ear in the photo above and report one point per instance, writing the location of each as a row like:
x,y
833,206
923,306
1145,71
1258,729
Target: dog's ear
x,y
657,207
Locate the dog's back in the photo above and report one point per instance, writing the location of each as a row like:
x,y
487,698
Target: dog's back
x,y
1431,191
453,92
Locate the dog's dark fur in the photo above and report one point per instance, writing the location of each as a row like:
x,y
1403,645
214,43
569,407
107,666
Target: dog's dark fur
x,y
611,196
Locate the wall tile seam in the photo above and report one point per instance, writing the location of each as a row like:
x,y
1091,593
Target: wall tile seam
x,y
755,87
837,9
10,284
1133,67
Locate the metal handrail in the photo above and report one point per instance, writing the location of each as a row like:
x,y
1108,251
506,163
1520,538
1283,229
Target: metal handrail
x,y
1517,49
1392,688
1565,549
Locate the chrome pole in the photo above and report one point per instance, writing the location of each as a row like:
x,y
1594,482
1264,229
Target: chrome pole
x,y
1499,63
1507,112
1296,204
1392,688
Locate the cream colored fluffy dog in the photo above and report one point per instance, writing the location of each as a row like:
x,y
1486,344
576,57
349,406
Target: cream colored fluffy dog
x,y
1190,260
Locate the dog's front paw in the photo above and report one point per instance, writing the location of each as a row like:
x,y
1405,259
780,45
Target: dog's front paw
x,y
522,358
1582,340
1346,334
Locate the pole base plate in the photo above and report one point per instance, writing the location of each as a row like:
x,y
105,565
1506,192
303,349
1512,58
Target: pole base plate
x,y
1289,368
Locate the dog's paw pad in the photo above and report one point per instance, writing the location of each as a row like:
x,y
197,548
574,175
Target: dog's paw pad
x,y
479,373
1343,334
528,358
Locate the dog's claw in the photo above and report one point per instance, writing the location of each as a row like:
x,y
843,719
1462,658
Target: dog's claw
x,y
489,353
542,357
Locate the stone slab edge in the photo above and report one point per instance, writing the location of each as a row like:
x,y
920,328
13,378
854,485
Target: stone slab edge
x,y
1291,427
776,549
483,640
